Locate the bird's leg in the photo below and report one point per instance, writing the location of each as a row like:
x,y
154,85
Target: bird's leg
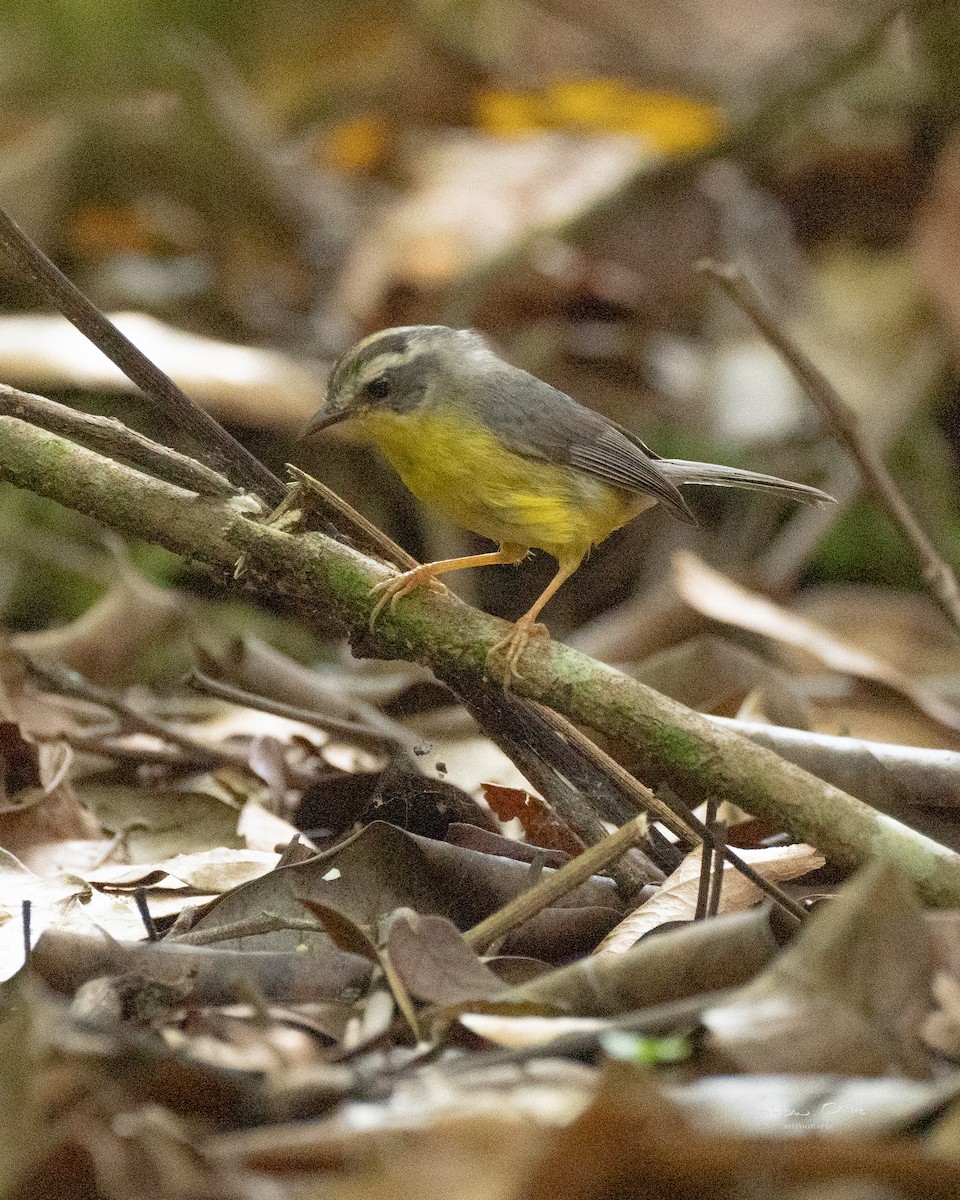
x,y
513,645
391,590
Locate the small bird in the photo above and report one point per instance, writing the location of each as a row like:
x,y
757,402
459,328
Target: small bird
x,y
506,455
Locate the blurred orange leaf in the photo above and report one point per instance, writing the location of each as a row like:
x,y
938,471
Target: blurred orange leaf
x,y
357,144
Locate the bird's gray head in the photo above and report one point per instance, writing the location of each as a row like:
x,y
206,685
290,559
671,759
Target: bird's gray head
x,y
394,369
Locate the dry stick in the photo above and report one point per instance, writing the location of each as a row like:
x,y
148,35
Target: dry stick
x,y
400,993
111,437
363,734
914,775
72,683
366,532
844,425
105,746
642,796
551,887
574,786
706,865
143,907
718,839
26,908
246,927
219,448
680,817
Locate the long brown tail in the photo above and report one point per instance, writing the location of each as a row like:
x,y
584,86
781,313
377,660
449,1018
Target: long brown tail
x,y
679,471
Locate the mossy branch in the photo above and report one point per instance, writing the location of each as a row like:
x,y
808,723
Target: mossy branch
x,y
319,579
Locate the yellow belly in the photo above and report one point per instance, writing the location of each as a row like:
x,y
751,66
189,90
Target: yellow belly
x,y
458,467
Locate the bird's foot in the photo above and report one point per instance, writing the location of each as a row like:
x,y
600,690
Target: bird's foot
x,y
512,647
394,589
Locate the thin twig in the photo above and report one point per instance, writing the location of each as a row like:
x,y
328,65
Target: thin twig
x,y
105,746
117,842
551,887
143,908
114,439
361,732
576,788
401,994
72,683
767,886
220,448
718,839
26,911
681,818
642,797
247,927
843,424
367,535
706,865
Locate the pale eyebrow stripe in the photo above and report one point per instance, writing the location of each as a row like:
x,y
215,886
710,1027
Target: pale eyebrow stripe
x,y
383,362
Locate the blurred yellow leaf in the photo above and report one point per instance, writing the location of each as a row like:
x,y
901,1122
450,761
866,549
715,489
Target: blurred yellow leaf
x,y
590,103
507,114
674,124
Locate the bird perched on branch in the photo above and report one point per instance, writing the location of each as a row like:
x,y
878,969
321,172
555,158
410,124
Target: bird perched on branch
x,y
506,455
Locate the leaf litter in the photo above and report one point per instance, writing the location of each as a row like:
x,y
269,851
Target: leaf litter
x,y
252,967
296,979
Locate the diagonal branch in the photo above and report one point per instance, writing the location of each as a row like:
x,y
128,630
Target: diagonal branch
x,y
317,578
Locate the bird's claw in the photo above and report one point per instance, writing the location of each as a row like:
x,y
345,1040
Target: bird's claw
x,y
394,589
512,647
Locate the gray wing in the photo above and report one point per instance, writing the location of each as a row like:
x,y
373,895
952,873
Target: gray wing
x,y
550,425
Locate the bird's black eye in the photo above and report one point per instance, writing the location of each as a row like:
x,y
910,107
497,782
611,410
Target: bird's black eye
x,y
379,388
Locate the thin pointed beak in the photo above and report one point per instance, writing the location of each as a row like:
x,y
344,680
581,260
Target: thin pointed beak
x,y
323,420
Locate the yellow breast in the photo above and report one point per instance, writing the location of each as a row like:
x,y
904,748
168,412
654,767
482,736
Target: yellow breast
x,y
458,466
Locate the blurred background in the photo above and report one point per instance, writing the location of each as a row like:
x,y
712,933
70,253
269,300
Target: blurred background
x,y
250,188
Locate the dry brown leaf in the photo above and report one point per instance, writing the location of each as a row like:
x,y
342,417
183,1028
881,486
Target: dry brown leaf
x,y
435,961
473,198
699,957
541,826
157,824
106,644
210,871
717,597
848,996
43,820
676,898
906,629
